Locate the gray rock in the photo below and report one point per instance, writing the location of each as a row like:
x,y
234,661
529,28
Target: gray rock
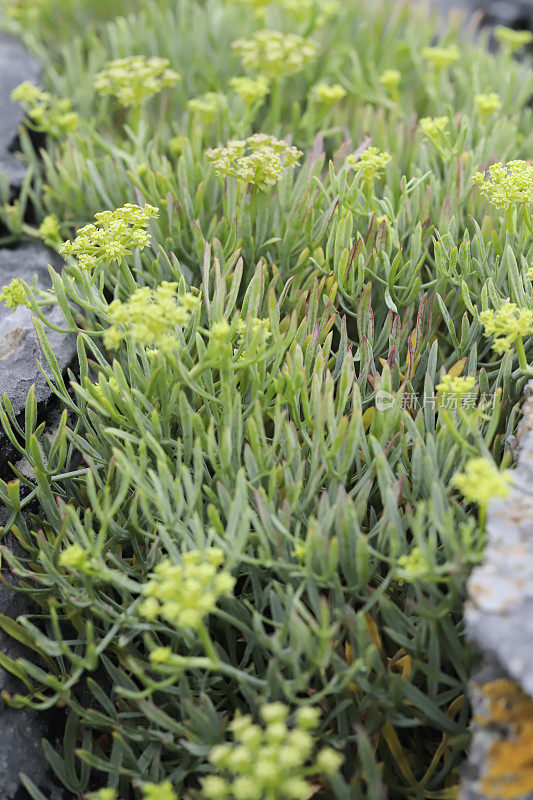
x,y
499,611
19,347
20,351
512,13
22,729
16,66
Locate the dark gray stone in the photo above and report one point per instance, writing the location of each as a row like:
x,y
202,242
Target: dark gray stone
x,y
16,66
22,729
19,347
512,13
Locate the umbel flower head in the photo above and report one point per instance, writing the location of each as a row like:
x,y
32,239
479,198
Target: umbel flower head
x,y
149,317
102,794
414,565
271,761
370,163
507,184
112,236
74,557
390,79
299,10
440,57
508,324
304,10
23,11
514,40
434,127
14,295
132,80
455,391
488,104
481,481
274,53
49,230
328,94
208,105
159,791
249,89
47,113
261,159
183,594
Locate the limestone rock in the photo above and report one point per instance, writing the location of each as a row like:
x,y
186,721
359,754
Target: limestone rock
x,y
19,347
16,66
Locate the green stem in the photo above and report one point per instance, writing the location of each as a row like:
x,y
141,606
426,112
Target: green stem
x,y
208,645
522,358
482,517
253,214
277,98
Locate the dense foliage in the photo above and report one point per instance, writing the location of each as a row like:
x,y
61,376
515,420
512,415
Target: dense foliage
x,y
303,306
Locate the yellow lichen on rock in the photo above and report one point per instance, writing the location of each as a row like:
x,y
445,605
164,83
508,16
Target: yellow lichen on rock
x,y
510,765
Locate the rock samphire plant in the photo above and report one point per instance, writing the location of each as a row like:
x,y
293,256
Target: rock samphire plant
x,y
298,260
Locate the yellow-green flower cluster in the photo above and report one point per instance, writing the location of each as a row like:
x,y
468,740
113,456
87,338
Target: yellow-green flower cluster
x,y
14,295
255,335
74,557
328,94
370,163
414,565
159,791
258,326
481,481
112,236
274,53
507,184
514,40
249,89
456,391
47,113
49,230
132,80
300,10
208,105
102,794
261,159
103,383
149,317
271,761
487,104
440,57
183,594
305,10
390,79
508,324
24,11
434,127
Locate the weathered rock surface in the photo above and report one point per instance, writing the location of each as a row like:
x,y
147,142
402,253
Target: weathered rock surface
x,y
19,347
499,613
16,66
22,729
512,13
